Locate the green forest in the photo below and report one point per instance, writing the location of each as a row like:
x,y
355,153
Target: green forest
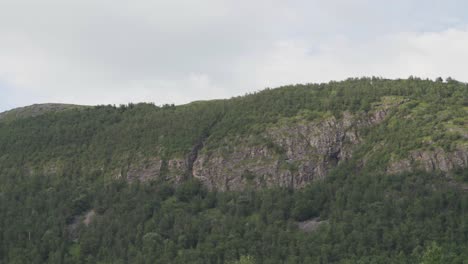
x,y
60,201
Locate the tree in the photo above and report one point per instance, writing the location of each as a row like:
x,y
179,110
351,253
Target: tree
x,y
244,260
432,254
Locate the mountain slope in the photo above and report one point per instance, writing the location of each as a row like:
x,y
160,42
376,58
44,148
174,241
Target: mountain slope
x,y
287,136
377,167
35,110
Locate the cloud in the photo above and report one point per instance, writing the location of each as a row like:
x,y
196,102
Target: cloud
x,y
92,52
426,55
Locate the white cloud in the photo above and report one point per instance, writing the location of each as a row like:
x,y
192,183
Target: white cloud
x,y
426,55
92,52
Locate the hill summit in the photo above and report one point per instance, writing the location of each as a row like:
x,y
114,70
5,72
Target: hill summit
x,y
35,110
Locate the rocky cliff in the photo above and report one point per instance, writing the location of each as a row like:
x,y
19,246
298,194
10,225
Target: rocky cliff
x,y
292,154
432,160
281,137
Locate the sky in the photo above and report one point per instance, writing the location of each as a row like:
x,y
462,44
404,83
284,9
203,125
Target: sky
x,y
112,51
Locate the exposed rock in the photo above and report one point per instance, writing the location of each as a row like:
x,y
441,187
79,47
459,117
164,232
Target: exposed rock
x,y
150,169
310,225
298,153
435,160
76,223
88,217
155,168
289,154
239,168
176,169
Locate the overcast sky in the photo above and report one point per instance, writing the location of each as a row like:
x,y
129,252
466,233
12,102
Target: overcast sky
x,y
112,51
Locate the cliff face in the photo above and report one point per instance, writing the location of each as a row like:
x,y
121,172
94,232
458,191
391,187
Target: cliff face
x,y
432,160
155,168
289,154
282,137
294,155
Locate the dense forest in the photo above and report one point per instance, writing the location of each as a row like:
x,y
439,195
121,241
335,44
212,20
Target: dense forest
x,y
60,201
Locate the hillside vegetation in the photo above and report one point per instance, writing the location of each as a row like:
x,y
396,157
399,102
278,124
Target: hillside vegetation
x,y
35,110
380,165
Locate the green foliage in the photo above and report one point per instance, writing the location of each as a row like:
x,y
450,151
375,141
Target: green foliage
x,y
432,255
244,260
56,168
108,138
372,218
36,110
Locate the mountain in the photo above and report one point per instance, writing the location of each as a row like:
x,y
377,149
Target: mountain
x,y
367,169
282,137
35,110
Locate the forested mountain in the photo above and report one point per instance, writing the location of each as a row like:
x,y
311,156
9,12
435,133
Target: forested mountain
x,y
35,110
365,170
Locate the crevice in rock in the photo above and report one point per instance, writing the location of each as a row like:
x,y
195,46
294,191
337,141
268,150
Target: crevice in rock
x,y
193,155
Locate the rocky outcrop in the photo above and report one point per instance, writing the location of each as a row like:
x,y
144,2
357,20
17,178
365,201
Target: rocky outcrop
x,y
175,169
88,217
431,160
79,221
150,169
291,155
156,168
311,225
